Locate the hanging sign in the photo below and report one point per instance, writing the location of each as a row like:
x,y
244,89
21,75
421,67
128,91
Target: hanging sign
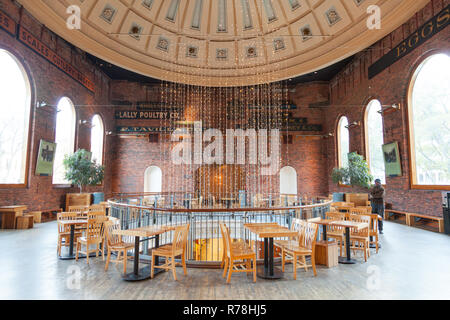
x,y
8,24
146,115
32,42
142,129
425,32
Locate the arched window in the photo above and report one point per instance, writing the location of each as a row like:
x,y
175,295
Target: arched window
x,y
64,138
97,134
374,140
153,179
15,96
288,181
343,142
429,122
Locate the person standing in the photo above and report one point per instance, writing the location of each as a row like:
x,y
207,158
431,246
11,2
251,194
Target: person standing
x,y
377,201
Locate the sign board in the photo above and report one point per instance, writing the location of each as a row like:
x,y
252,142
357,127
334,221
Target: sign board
x,y
8,24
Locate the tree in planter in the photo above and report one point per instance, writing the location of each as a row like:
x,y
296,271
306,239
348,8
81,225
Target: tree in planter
x,y
81,171
356,174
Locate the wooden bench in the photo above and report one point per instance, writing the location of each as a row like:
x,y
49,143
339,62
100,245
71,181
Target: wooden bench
x,y
411,217
412,222
25,222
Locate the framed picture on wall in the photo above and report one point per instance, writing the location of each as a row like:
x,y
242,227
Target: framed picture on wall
x,y
392,162
46,157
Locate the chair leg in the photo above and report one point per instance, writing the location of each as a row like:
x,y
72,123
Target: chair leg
x,y
376,239
282,260
87,253
294,257
226,268
313,263
230,270
304,263
254,269
174,271
153,265
108,258
183,261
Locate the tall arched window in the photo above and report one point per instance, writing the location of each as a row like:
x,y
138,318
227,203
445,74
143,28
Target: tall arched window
x,y
153,179
343,141
15,96
64,138
374,140
429,123
288,181
97,135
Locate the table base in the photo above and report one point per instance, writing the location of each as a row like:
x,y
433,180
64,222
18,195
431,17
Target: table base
x,y
80,256
264,273
143,274
344,260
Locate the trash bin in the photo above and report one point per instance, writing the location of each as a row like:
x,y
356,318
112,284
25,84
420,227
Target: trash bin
x,y
98,197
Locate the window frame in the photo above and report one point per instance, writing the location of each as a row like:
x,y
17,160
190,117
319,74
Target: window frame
x,y
103,138
410,125
75,140
29,81
338,145
366,132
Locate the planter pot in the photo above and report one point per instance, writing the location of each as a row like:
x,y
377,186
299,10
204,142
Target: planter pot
x,y
77,199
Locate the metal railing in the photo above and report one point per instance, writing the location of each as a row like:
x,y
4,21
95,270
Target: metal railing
x,y
204,241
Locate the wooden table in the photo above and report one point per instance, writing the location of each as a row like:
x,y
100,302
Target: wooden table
x,y
349,225
72,224
268,232
146,232
9,215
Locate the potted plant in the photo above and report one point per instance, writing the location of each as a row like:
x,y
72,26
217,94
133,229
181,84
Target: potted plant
x,y
82,171
356,174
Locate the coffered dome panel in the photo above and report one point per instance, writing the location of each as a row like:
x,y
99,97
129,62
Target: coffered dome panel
x,y
222,42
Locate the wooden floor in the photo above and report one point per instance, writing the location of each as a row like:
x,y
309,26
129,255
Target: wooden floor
x,y
413,264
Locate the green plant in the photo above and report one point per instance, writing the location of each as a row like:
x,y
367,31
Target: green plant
x,y
356,174
81,171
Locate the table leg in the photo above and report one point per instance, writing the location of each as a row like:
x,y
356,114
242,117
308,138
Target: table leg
x,y
324,230
137,274
347,259
72,238
269,271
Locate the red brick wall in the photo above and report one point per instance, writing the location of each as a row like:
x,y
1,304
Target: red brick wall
x,y
133,155
351,89
50,84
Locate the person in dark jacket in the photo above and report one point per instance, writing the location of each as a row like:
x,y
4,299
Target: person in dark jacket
x,y
377,201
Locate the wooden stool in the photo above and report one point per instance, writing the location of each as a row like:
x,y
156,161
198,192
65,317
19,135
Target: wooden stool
x,y
37,216
327,253
25,222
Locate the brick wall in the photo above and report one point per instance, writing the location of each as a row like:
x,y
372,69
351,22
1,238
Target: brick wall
x,y
351,89
50,84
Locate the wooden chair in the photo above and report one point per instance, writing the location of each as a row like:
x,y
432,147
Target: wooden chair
x,y
373,230
95,234
118,244
170,251
236,246
237,259
295,226
336,232
359,240
64,231
305,247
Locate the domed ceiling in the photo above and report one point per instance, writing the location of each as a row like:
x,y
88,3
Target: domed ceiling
x,y
222,42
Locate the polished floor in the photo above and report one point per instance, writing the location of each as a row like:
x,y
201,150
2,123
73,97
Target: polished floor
x,y
412,264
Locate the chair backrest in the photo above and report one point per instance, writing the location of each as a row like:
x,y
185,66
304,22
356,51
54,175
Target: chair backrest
x,y
226,235
361,218
95,228
78,208
358,210
110,227
335,215
65,216
95,214
179,236
308,235
96,208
